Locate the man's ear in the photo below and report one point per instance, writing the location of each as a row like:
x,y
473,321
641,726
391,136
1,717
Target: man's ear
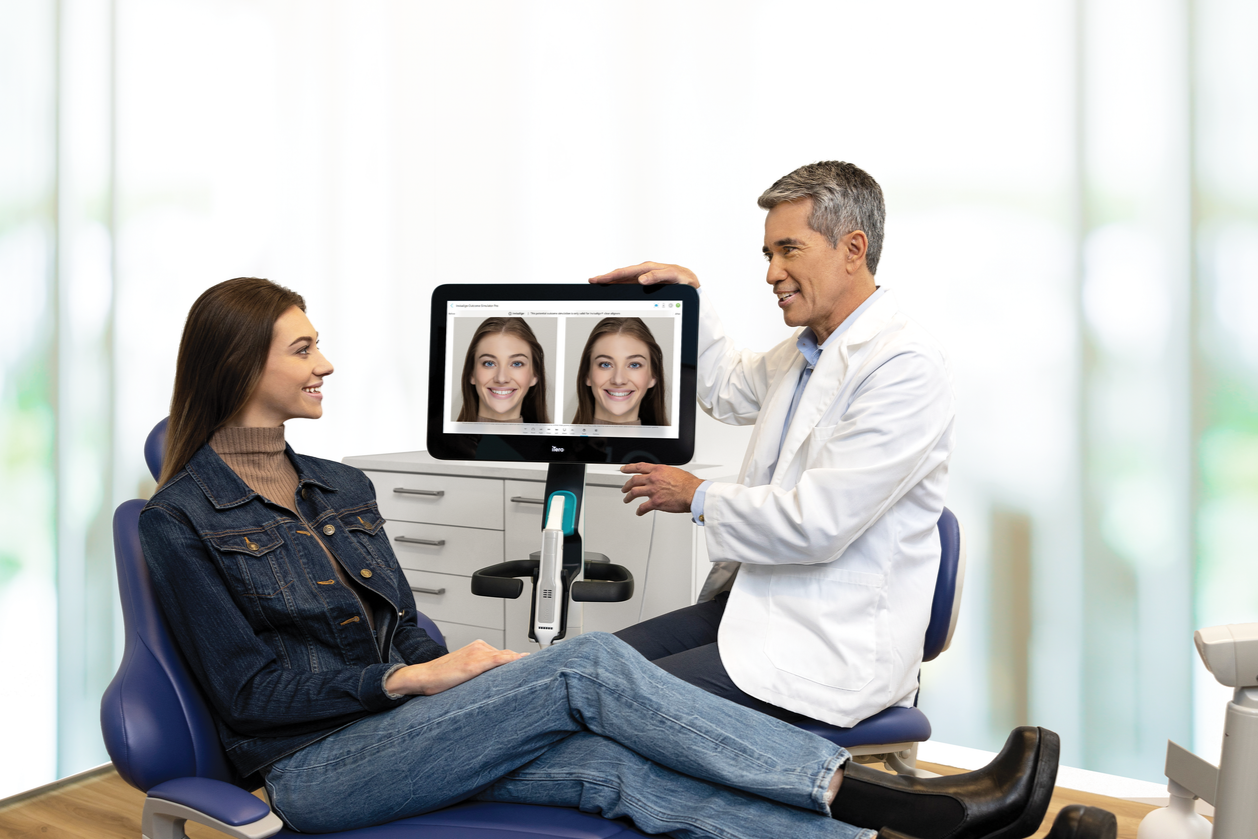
x,y
856,244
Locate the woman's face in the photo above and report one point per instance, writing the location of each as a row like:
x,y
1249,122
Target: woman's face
x,y
502,373
620,375
294,373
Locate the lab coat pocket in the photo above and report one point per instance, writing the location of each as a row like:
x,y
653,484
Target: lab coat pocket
x,y
824,627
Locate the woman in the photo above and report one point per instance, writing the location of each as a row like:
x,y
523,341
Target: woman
x,y
504,374
620,379
288,603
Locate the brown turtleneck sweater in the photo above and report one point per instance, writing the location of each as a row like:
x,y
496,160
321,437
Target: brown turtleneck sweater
x,y
257,456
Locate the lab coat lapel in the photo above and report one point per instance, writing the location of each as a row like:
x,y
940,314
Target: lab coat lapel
x,y
828,379
819,394
763,450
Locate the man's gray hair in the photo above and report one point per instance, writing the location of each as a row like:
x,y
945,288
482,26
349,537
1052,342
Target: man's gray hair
x,y
844,198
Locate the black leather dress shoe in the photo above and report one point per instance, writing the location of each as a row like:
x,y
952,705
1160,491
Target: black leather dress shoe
x,y
1081,822
1006,799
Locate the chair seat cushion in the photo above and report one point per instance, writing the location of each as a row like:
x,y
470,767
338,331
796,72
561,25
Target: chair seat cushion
x,y
891,725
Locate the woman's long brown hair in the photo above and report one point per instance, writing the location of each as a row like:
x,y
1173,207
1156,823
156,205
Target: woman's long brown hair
x,y
533,407
222,354
652,410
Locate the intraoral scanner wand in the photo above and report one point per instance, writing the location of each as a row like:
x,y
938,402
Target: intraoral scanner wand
x,y
548,593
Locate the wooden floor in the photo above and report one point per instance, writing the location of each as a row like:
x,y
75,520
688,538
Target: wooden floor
x,y
94,805
100,805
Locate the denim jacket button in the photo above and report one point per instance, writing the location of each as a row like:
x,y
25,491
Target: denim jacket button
x,y
366,572
328,530
305,494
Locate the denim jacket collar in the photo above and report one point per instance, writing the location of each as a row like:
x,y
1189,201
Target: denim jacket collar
x,y
224,488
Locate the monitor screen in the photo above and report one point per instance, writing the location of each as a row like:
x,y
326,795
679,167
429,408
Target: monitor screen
x,y
563,373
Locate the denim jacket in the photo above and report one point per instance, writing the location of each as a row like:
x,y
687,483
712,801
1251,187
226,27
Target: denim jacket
x,y
279,645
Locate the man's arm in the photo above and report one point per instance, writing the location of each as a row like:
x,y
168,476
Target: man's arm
x,y
732,383
896,431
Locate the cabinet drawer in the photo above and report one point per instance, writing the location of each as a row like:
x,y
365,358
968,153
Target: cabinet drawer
x,y
446,597
462,550
439,499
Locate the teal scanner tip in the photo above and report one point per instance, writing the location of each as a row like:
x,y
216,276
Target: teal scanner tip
x,y
569,511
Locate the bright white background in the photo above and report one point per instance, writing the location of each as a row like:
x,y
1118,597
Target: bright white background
x,y
1038,168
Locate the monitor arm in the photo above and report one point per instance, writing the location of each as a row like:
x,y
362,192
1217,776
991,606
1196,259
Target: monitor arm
x,y
556,568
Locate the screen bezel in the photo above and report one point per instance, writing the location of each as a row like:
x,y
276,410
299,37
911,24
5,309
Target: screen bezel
x,y
560,447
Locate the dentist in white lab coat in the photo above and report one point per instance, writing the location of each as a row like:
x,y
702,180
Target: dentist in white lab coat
x,y
827,544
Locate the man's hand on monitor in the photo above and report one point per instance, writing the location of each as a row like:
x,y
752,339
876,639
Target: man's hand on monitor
x,y
649,273
665,488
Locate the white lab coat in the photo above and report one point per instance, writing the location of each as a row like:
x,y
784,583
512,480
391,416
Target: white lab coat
x,y
834,541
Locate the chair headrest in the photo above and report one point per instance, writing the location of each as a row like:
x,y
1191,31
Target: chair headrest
x,y
155,448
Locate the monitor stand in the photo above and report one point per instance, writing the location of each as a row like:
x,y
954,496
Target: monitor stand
x,y
555,569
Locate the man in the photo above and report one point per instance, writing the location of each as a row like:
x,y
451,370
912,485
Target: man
x,y
825,552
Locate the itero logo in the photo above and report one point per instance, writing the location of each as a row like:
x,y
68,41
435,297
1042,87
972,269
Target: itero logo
x,y
556,448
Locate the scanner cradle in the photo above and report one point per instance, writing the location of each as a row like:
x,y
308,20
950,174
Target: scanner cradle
x,y
556,568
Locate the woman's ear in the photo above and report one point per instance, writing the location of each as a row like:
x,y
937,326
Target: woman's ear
x,y
534,382
651,385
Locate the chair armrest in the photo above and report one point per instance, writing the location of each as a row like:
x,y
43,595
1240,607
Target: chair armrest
x,y
215,804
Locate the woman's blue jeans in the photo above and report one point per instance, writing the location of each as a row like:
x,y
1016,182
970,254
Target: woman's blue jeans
x,y
587,723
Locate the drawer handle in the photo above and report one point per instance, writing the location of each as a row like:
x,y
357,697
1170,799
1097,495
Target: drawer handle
x,y
419,590
432,493
434,542
520,499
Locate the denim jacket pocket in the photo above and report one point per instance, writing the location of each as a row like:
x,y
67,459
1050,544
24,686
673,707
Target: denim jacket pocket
x,y
368,528
253,560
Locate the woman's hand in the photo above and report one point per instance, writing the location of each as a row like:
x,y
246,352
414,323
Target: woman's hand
x,y
452,669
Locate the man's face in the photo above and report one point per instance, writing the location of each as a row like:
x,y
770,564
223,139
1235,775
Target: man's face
x,y
808,276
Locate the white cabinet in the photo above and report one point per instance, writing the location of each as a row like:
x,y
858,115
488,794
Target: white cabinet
x,y
446,519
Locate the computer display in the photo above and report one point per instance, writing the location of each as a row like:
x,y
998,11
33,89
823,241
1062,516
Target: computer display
x,y
563,373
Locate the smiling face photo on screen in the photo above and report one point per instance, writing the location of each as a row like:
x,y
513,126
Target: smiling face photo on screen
x,y
504,374
620,379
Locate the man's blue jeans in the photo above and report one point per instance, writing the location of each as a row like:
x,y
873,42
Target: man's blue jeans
x,y
588,723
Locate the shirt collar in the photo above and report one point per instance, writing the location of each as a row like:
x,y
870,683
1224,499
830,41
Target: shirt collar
x,y
807,341
224,488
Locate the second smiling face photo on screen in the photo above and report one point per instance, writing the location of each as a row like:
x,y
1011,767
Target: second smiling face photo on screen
x,y
621,372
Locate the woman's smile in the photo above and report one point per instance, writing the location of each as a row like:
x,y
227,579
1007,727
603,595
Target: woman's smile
x,y
502,375
620,375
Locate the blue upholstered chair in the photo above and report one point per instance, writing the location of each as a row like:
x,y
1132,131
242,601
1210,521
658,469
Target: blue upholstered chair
x,y
891,736
160,734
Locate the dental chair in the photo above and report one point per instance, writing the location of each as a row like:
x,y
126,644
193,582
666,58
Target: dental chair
x,y
160,734
892,735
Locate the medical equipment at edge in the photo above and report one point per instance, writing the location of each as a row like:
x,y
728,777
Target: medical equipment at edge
x,y
1230,653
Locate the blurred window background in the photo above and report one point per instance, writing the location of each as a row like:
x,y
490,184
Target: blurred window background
x,y
1072,197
